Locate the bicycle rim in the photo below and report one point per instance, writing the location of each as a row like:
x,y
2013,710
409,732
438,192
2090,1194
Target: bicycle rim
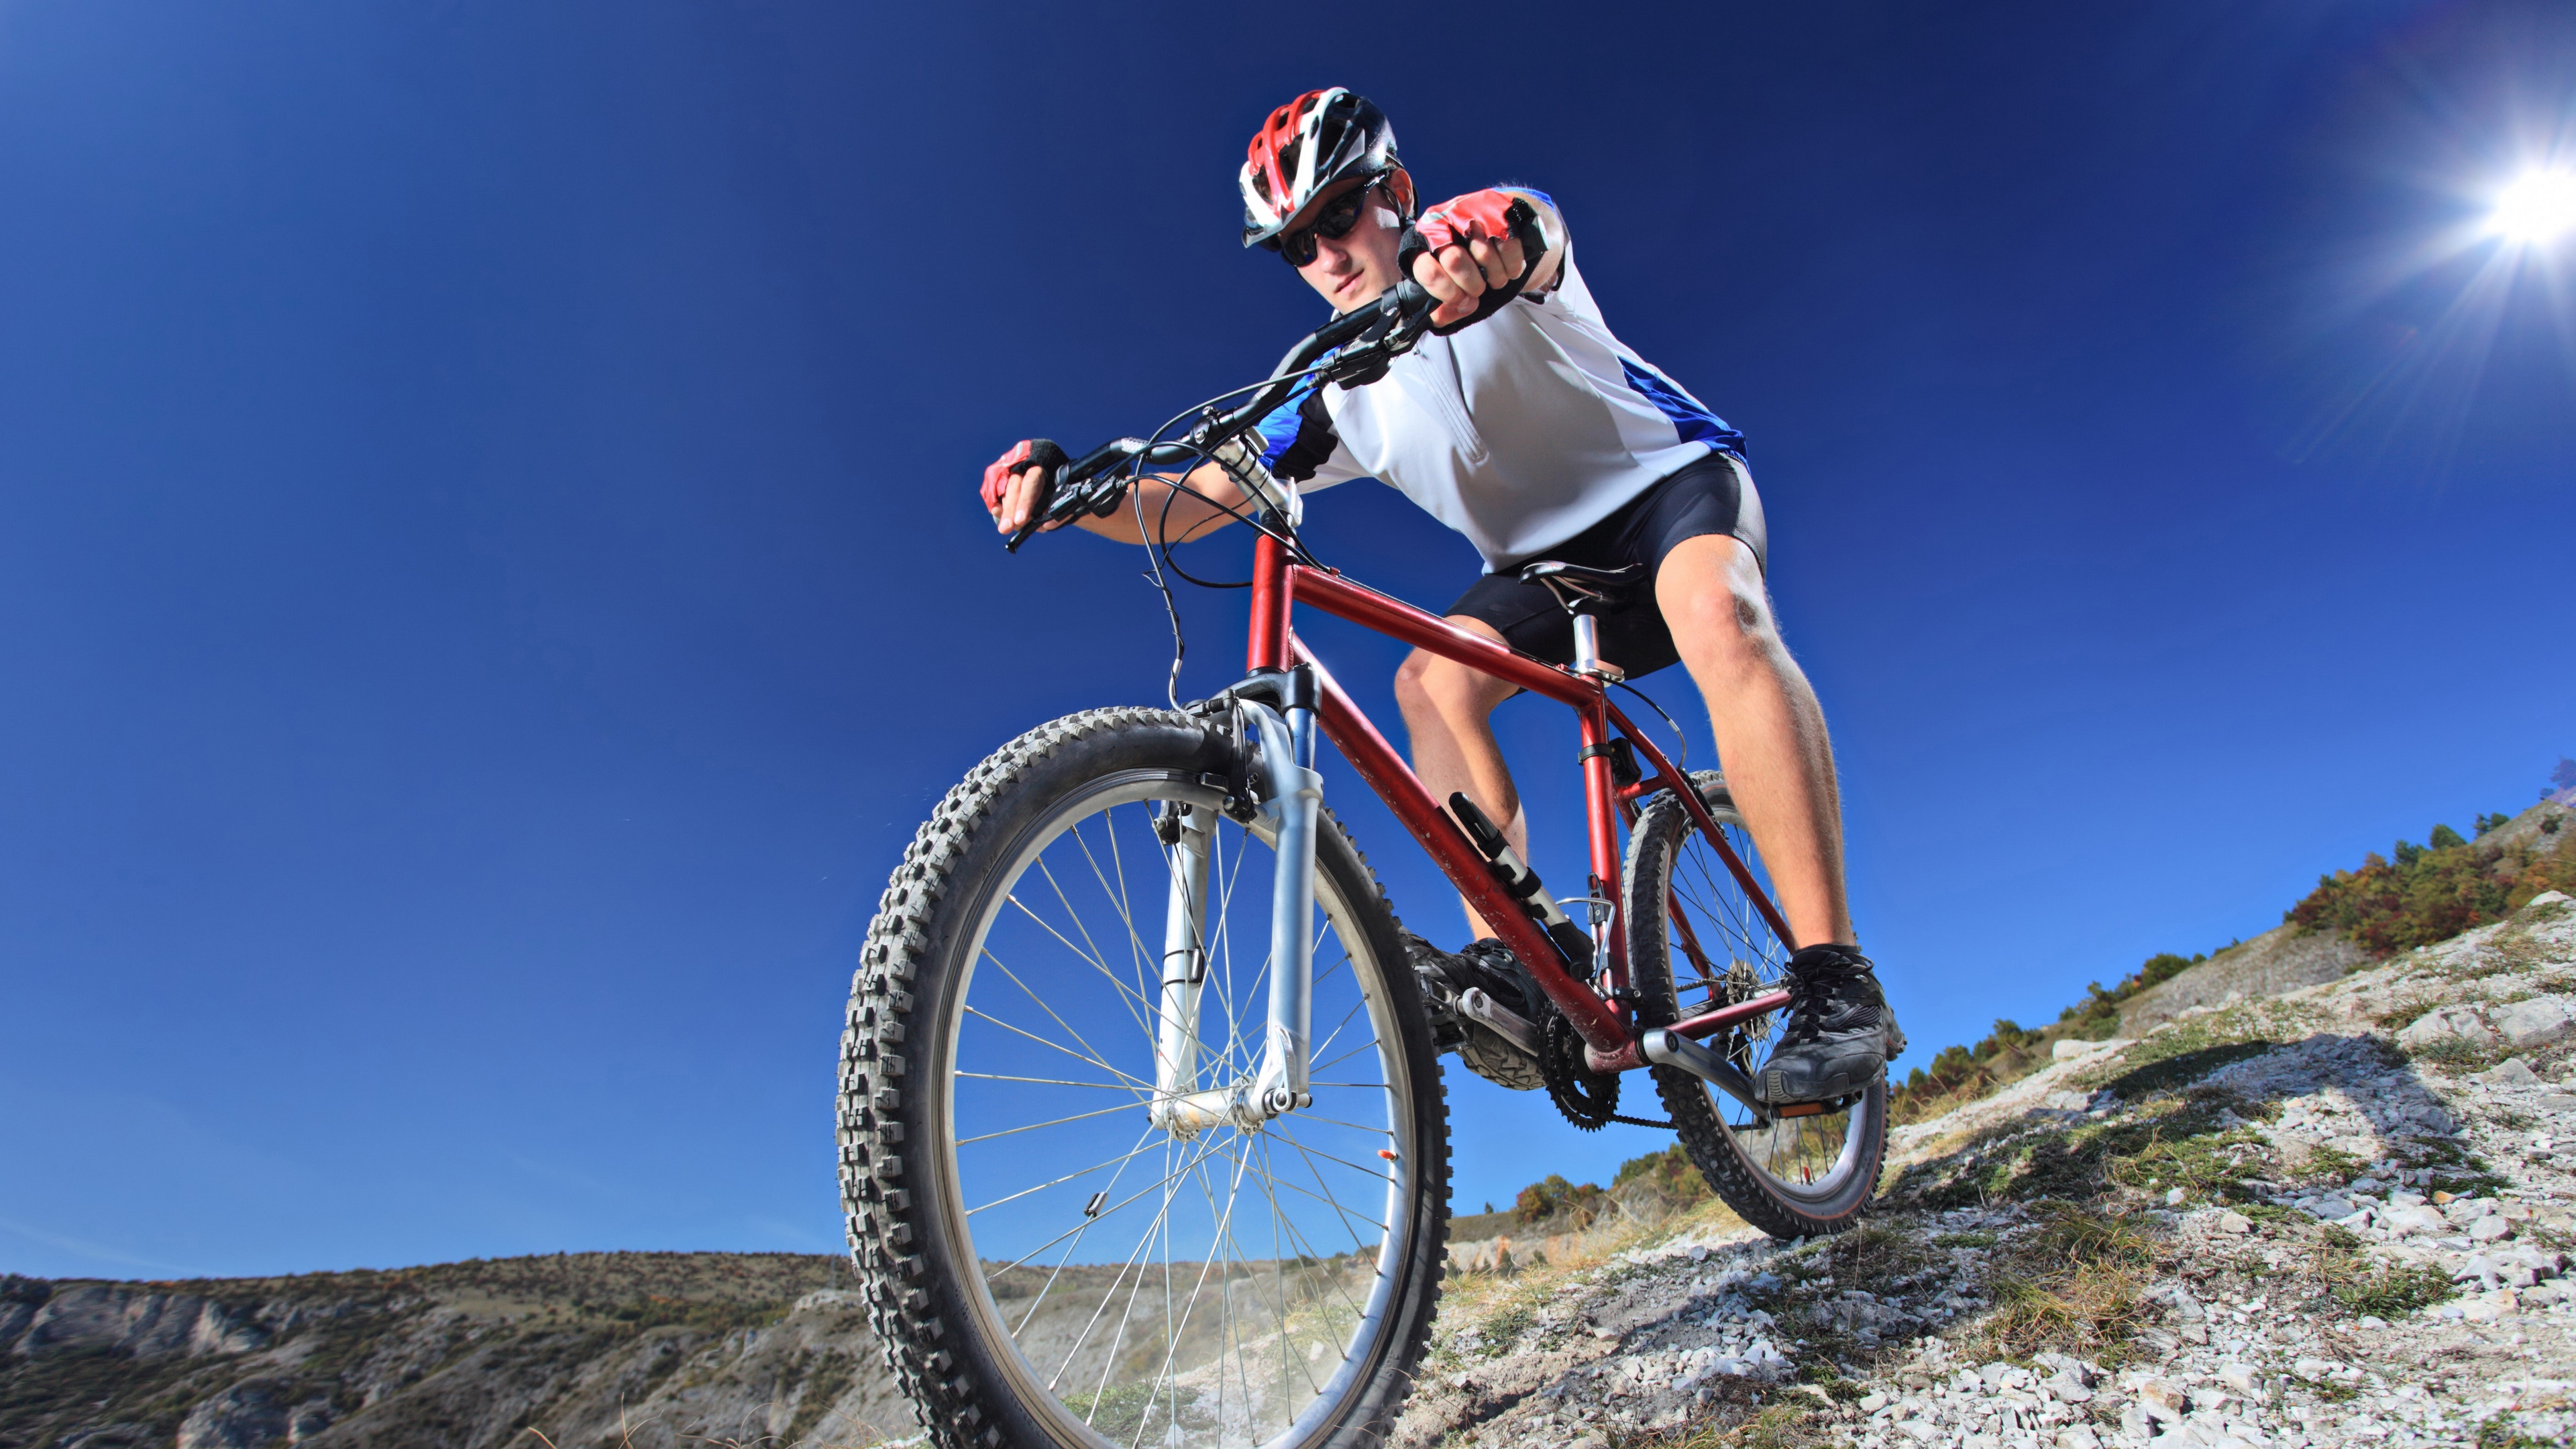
x,y
1720,950
1218,1287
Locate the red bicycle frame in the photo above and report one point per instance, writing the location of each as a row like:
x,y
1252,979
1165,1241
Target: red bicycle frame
x,y
1280,584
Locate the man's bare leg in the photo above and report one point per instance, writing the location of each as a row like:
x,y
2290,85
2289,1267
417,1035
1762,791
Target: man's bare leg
x,y
1770,731
1448,709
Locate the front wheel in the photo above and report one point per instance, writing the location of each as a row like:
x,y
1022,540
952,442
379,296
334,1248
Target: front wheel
x,y
1054,1253
1696,943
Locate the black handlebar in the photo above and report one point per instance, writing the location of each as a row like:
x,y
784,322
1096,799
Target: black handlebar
x,y
1367,339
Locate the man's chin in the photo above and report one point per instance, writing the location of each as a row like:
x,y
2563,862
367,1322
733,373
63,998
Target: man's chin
x,y
1360,295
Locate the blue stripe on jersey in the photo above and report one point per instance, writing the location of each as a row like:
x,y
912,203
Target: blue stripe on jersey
x,y
1695,423
1279,430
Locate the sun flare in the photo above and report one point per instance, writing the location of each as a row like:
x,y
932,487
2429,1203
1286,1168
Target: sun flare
x,y
2539,206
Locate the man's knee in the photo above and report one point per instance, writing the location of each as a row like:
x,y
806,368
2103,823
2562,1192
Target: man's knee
x,y
1427,683
1425,680
1721,621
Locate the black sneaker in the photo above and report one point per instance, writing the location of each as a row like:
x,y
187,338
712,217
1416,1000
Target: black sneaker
x,y
1840,1035
1488,966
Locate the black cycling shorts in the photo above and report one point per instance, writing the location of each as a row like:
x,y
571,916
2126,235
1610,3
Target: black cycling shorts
x,y
1712,495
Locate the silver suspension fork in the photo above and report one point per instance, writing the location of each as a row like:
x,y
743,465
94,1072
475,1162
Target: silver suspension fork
x,y
1176,1046
1296,800
1294,807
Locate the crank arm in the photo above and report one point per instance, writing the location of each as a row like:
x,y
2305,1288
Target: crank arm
x,y
1669,1048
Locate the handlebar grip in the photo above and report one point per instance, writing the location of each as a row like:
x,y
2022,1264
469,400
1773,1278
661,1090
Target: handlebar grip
x,y
1073,491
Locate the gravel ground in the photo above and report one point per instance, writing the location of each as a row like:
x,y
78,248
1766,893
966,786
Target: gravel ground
x,y
2334,1217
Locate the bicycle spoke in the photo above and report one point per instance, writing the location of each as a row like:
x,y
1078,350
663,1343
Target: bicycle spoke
x,y
1047,1081
1138,1083
1057,1182
1136,949
1050,1122
1093,956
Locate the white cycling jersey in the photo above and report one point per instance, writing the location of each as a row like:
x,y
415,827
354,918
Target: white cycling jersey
x,y
1519,432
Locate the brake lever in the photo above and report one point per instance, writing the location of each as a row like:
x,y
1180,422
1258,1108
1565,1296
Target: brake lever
x,y
1038,520
1404,314
1089,484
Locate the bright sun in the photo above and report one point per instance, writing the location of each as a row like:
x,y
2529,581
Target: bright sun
x,y
2539,206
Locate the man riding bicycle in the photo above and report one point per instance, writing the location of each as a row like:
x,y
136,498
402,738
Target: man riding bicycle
x,y
1538,434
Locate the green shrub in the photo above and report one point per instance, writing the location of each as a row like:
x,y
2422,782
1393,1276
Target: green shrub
x,y
1552,1196
2431,892
1669,1172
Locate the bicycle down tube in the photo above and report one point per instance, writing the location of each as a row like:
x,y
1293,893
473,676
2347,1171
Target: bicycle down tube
x,y
1279,585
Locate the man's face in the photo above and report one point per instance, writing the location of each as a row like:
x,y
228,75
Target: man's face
x,y
1353,269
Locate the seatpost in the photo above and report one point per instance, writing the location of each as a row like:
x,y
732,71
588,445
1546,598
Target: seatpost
x,y
1587,640
1587,661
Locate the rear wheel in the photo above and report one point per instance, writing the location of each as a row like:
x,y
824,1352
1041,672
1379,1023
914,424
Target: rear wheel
x,y
1049,1260
1696,943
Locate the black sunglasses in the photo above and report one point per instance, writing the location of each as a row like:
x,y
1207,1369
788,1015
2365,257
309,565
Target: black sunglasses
x,y
1335,221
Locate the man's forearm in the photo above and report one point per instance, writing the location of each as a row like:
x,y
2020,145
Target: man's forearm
x,y
1189,517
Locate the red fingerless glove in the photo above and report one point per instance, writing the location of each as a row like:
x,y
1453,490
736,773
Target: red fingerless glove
x,y
1490,215
1025,454
1463,219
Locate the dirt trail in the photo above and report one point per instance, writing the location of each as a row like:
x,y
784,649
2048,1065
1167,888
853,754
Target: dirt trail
x,y
2337,1216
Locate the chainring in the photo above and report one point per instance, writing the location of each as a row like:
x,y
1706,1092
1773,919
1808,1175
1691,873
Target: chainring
x,y
1588,1099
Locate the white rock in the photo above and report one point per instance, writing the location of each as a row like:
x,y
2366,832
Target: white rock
x,y
2449,1023
2490,1229
2242,1379
2546,898
2537,1022
2067,1049
2235,1222
2163,1399
2415,1219
2511,1072
2078,1436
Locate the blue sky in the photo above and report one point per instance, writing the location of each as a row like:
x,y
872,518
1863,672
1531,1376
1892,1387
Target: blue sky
x,y
489,578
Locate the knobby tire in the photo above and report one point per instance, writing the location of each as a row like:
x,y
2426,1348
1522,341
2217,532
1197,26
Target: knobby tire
x,y
947,1342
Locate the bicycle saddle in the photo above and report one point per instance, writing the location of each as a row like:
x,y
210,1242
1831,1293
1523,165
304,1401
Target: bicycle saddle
x,y
1575,584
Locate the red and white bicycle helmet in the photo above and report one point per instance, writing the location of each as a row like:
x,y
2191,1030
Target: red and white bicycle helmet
x,y
1308,144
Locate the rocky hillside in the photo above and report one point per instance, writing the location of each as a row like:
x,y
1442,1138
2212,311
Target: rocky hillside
x,y
2285,1206
2337,1216
653,1349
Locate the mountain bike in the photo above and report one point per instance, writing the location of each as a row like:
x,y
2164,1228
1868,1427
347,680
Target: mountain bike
x,y
1143,1138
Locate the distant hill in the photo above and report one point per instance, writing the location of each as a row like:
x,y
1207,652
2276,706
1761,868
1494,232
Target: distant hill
x,y
590,1349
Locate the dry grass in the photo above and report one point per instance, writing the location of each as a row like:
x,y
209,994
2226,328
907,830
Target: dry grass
x,y
2071,1286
